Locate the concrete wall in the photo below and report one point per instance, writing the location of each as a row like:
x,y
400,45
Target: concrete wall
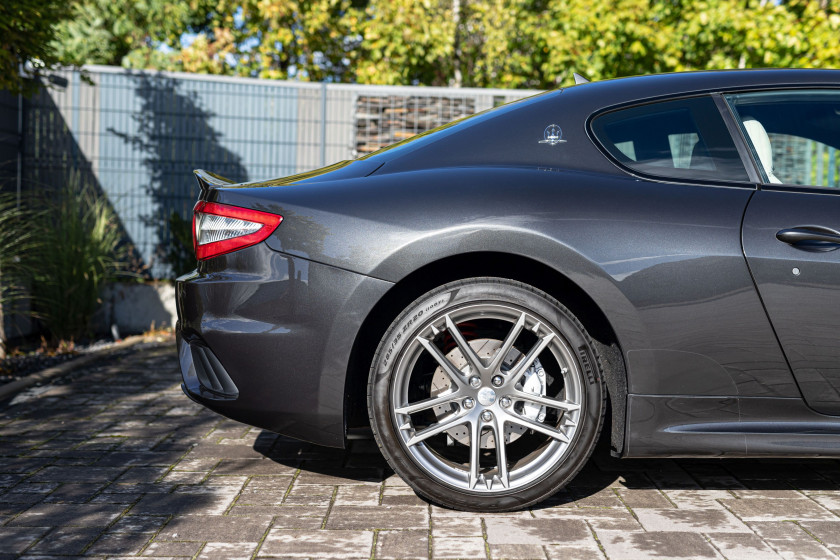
x,y
135,308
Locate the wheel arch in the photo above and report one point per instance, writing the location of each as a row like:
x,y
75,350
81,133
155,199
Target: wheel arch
x,y
505,265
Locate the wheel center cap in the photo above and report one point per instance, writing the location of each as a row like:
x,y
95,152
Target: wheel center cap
x,y
486,396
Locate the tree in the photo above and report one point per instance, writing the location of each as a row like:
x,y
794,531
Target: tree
x,y
27,31
139,34
632,37
407,42
313,40
480,43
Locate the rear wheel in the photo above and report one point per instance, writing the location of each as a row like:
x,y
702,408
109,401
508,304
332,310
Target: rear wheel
x,y
486,394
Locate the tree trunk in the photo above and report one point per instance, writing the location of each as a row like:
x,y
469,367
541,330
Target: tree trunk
x,y
457,76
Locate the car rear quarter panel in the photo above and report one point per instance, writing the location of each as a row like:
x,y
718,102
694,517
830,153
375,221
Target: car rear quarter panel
x,y
283,328
662,260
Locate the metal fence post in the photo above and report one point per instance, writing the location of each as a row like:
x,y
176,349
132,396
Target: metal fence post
x,y
19,173
323,124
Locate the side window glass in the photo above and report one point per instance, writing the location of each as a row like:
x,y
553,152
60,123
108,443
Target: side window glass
x,y
683,139
794,135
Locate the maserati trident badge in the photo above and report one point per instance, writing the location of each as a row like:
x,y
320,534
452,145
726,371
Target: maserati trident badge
x,y
553,135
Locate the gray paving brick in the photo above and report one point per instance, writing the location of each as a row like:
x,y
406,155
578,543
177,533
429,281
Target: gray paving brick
x,y
216,451
599,519
68,540
760,509
457,527
718,521
196,501
205,464
340,476
43,557
536,531
119,543
828,501
77,474
827,532
462,548
589,552
17,539
357,495
20,466
289,518
172,549
621,545
216,528
25,499
644,498
227,551
137,524
698,499
517,552
317,544
402,545
7,480
267,492
400,496
803,548
72,515
378,517
74,493
586,497
136,475
741,546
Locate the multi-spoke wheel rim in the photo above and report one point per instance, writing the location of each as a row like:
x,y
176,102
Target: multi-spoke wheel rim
x,y
486,398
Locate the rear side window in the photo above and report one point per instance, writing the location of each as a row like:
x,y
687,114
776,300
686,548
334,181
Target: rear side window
x,y
794,135
682,139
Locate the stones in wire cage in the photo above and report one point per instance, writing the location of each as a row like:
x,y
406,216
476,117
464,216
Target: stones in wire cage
x,y
534,381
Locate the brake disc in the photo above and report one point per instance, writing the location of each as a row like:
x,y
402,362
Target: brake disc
x,y
532,382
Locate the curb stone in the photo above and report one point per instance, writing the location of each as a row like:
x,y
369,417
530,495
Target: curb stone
x,y
66,367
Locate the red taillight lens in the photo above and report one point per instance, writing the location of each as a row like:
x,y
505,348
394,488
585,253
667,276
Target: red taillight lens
x,y
220,228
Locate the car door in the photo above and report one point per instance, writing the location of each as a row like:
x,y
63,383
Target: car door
x,y
791,230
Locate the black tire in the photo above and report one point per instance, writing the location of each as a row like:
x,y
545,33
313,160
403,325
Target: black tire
x,y
549,412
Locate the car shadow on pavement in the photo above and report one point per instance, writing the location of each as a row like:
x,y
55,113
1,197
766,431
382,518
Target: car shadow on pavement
x,y
361,461
605,481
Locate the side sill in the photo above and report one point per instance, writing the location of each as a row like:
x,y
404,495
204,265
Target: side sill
x,y
679,426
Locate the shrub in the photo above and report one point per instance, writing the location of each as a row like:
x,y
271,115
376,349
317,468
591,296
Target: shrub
x,y
180,253
15,240
75,251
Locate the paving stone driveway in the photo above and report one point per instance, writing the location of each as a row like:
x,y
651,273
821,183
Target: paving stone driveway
x,y
116,462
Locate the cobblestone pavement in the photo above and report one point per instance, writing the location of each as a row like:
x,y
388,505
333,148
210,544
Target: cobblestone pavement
x,y
116,462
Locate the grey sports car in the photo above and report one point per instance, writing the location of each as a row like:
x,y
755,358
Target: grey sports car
x,y
653,257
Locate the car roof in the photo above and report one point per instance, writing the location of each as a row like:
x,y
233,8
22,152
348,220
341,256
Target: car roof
x,y
639,88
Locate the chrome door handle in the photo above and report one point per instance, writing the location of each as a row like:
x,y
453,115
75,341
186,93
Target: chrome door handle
x,y
813,238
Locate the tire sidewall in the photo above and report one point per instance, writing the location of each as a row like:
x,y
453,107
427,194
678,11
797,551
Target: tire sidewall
x,y
451,296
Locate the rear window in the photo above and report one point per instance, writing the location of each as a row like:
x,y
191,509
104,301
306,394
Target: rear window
x,y
682,139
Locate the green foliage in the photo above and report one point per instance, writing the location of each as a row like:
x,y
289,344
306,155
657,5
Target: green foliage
x,y
118,31
180,253
16,240
75,251
481,43
27,31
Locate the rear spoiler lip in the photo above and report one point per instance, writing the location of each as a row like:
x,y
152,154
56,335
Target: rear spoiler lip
x,y
207,180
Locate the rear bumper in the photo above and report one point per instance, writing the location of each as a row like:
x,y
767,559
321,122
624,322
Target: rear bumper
x,y
265,338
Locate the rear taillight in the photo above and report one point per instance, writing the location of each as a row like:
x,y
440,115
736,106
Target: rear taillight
x,y
220,229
